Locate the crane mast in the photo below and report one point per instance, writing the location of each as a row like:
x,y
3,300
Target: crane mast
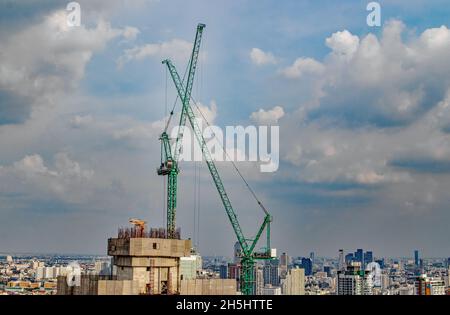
x,y
248,245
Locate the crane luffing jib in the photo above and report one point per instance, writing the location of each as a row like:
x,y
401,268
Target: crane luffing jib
x,y
170,160
185,94
246,248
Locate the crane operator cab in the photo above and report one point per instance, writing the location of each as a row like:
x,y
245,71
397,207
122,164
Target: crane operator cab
x,y
166,167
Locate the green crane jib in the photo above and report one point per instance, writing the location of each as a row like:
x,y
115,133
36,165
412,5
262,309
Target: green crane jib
x,y
169,161
248,255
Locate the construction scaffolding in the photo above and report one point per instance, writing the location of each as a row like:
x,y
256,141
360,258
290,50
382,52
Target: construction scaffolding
x,y
136,232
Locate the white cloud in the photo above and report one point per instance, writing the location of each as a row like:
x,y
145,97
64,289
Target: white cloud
x,y
259,57
303,67
47,59
379,81
343,44
66,180
175,49
32,164
369,177
267,117
209,113
139,132
80,121
130,33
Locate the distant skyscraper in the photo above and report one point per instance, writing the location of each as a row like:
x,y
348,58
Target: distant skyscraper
x,y
354,281
327,270
350,281
349,258
380,262
341,263
359,255
416,258
311,256
284,262
234,271
189,267
259,280
368,258
294,284
307,265
272,273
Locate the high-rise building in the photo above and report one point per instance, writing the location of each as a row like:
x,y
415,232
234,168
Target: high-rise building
x,y
294,284
359,255
368,258
271,273
349,282
354,281
341,262
425,285
234,272
9,259
349,258
259,280
416,258
308,266
189,267
327,270
284,262
368,283
311,256
380,262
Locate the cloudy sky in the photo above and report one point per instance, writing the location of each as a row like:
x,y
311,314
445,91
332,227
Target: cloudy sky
x,y
364,116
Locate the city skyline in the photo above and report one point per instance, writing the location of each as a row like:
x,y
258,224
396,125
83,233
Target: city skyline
x,y
362,111
362,274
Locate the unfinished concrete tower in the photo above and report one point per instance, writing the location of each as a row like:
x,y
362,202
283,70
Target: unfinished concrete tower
x,y
151,259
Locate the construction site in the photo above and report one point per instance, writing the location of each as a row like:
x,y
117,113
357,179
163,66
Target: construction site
x,y
146,261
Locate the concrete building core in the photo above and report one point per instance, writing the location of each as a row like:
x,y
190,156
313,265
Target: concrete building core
x,y
153,262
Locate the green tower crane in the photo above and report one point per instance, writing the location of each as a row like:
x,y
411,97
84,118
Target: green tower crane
x,y
248,255
169,161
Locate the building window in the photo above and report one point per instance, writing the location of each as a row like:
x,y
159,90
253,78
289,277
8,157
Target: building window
x,y
155,246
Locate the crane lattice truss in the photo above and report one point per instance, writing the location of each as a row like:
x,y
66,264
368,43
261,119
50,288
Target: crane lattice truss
x,y
169,167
